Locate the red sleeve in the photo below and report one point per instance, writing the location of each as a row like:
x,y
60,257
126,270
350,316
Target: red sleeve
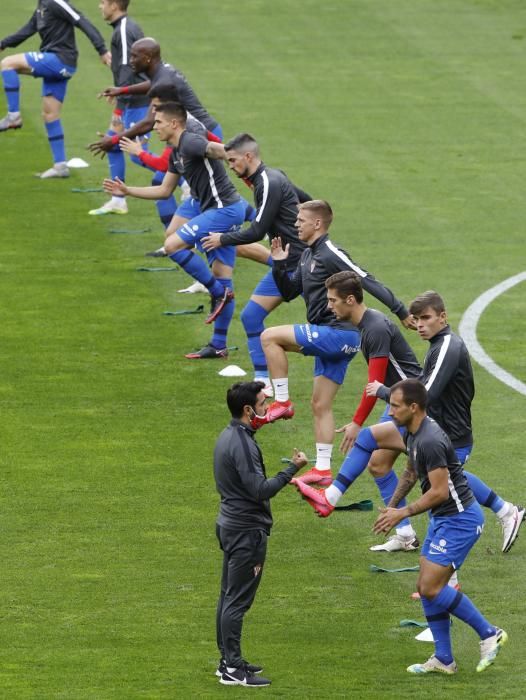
x,y
212,137
156,162
377,371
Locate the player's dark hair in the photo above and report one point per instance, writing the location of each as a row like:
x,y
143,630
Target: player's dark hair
x,y
413,391
427,299
346,283
242,394
320,208
122,4
243,142
172,110
166,92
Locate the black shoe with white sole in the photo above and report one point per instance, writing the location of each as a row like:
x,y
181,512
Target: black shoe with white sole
x,y
251,668
240,676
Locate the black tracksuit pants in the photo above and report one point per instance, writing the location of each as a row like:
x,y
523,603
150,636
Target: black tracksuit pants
x,y
244,553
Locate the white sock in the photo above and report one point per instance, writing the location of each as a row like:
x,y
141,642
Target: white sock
x,y
333,494
505,510
118,200
453,581
162,249
13,115
281,389
323,456
405,531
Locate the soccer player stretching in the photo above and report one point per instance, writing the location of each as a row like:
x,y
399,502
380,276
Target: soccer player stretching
x,y
455,524
55,63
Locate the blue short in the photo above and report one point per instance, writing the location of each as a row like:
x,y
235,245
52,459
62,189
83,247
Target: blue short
x,y
189,209
132,115
450,539
463,453
218,131
55,73
333,348
214,220
267,287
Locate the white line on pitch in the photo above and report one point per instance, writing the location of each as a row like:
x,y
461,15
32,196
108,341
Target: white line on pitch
x,y
468,331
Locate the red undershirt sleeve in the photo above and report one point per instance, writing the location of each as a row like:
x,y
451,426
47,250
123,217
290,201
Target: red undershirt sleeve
x,y
156,162
376,372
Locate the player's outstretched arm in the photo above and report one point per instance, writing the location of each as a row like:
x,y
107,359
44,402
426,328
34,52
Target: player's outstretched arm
x,y
162,191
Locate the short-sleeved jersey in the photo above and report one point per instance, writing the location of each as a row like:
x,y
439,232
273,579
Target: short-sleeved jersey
x,y
125,33
55,22
380,337
207,177
430,448
167,74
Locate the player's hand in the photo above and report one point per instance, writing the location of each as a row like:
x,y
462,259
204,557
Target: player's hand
x,y
100,148
211,242
409,322
106,58
350,433
130,146
115,187
110,92
277,251
388,518
299,459
372,388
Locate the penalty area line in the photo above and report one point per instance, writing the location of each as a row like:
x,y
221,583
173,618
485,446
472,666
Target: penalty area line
x,y
468,331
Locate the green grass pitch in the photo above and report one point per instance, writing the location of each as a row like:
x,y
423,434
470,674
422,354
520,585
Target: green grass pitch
x,y
409,117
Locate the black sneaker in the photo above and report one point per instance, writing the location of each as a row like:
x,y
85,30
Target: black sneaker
x,y
209,352
251,668
240,676
218,304
159,253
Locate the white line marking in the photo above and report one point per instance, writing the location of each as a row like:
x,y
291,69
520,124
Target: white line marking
x,y
468,331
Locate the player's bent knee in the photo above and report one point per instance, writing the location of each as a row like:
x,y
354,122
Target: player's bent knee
x,y
377,470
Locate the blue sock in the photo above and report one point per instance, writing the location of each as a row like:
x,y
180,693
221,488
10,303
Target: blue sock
x,y
270,262
387,486
440,625
357,460
116,160
484,495
12,89
55,136
252,318
195,266
222,322
165,207
458,604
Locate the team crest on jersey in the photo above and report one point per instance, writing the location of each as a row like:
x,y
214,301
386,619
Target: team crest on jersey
x,y
257,570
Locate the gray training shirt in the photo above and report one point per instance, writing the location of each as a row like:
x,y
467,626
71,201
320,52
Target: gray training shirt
x,y
430,448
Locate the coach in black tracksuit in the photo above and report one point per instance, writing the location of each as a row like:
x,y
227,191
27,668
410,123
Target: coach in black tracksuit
x,y
244,522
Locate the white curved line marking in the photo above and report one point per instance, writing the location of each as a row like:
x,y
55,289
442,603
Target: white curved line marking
x,y
468,331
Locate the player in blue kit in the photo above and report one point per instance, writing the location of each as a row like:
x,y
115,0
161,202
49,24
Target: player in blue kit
x,y
56,62
456,523
129,109
222,209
